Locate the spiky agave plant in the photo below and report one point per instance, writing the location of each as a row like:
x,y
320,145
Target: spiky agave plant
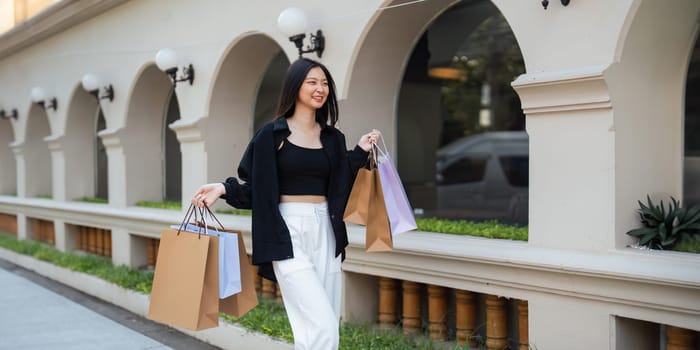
x,y
662,229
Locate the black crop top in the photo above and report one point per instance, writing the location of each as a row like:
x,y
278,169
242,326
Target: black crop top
x,y
302,171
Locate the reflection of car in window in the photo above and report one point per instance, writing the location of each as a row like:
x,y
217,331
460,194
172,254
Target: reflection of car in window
x,y
484,177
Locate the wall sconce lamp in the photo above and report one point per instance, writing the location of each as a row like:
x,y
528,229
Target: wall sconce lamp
x,y
39,97
13,115
166,60
92,85
292,22
545,3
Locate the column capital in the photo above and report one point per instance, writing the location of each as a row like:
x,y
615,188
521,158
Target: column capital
x,y
17,147
54,142
111,138
188,130
583,88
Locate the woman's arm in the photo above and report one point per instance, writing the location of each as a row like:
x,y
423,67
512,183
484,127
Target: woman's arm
x,y
236,194
358,156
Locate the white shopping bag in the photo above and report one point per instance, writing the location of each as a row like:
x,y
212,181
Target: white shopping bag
x,y
229,263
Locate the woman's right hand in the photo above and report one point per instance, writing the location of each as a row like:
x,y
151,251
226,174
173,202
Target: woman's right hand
x,y
208,194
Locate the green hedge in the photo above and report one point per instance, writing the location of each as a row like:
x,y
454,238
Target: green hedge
x,y
269,317
139,280
160,205
488,229
92,200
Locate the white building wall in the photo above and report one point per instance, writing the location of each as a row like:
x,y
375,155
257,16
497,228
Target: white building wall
x,y
603,94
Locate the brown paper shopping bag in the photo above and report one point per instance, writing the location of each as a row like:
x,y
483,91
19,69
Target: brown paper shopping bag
x,y
358,203
378,234
185,282
240,303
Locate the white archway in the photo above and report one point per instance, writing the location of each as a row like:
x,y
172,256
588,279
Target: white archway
x,y
78,145
142,136
8,167
232,106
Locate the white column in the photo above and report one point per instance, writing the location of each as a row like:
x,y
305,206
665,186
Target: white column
x,y
121,252
572,158
58,168
22,227
64,235
589,323
17,149
116,164
194,157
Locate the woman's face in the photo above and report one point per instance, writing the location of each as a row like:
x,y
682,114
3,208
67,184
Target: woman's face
x,y
314,90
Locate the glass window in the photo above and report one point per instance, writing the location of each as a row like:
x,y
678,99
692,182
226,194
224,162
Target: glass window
x,y
691,169
472,160
515,168
467,169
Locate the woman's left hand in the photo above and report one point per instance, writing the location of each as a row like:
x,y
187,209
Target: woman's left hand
x,y
368,139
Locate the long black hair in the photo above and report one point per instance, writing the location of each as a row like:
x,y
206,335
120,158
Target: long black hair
x,y
328,113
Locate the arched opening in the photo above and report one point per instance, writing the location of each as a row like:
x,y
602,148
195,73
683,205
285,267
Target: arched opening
x,y
78,146
35,151
446,76
269,91
691,168
142,138
456,97
8,168
243,98
101,163
172,157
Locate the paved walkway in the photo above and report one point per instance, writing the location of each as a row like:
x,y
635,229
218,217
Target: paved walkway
x,y
37,313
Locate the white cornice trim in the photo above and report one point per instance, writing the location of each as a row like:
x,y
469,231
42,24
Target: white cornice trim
x,y
584,88
53,20
187,131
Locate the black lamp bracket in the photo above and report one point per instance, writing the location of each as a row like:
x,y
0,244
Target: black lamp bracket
x,y
13,115
545,3
187,74
53,104
108,93
317,43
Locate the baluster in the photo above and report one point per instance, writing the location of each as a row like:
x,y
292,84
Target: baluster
x,y
278,293
523,328
92,245
496,327
268,288
680,338
108,243
411,307
465,320
257,280
388,292
437,312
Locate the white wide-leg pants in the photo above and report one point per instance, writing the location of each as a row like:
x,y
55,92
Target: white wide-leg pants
x,y
311,281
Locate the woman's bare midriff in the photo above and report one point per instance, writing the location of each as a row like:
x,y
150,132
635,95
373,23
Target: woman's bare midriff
x,y
302,198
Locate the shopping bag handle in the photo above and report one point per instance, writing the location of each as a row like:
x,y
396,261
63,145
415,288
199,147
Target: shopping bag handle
x,y
192,210
211,213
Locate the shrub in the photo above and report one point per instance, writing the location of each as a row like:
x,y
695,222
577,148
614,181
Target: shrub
x,y
488,229
160,205
92,200
664,229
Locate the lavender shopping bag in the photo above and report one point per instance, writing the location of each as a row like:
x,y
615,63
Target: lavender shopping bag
x,y
397,207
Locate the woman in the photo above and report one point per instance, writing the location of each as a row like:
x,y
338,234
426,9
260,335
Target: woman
x,y
297,177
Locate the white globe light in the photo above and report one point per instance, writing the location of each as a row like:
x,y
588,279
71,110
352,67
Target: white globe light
x,y
90,82
38,94
292,21
166,59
